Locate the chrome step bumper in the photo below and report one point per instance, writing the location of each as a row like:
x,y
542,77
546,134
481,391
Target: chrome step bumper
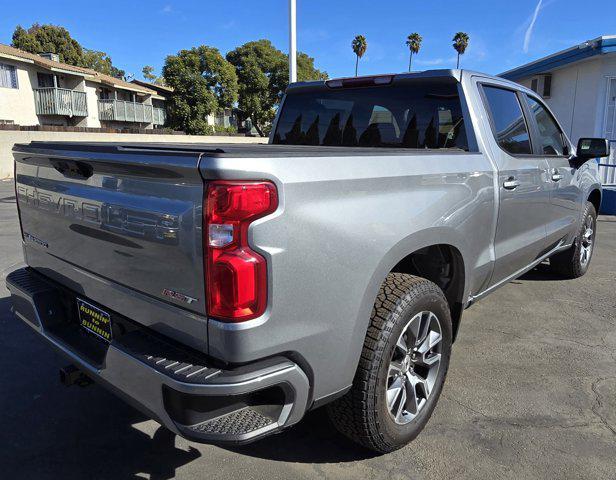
x,y
178,387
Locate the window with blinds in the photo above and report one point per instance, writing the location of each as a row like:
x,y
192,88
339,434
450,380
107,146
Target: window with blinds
x,y
610,111
8,76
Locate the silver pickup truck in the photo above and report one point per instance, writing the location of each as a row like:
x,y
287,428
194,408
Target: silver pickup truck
x,y
225,290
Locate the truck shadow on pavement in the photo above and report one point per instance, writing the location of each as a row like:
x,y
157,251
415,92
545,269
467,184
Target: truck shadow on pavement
x,y
48,430
51,431
540,274
313,440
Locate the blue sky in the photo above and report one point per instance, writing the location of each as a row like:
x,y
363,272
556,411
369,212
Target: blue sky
x,y
503,34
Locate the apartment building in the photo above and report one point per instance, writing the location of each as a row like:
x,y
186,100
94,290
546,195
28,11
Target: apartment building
x,y
40,90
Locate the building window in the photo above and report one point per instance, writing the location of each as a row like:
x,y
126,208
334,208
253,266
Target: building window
x,y
534,85
610,110
45,80
547,86
105,94
8,76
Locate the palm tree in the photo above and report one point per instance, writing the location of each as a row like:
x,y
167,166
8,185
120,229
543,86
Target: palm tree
x,y
460,44
360,45
413,41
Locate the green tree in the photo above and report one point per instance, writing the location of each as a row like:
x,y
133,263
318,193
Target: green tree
x,y
150,76
203,83
306,70
263,76
460,44
261,70
55,39
49,39
360,45
413,41
148,73
101,62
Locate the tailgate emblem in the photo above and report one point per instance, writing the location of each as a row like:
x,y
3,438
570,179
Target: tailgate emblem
x,y
179,296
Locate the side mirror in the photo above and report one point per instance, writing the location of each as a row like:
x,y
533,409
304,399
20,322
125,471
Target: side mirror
x,y
588,148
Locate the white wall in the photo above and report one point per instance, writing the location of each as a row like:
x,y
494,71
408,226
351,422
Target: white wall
x,y
10,137
17,104
92,99
608,71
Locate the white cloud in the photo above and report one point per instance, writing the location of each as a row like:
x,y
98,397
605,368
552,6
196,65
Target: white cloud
x,y
529,31
433,62
313,35
166,9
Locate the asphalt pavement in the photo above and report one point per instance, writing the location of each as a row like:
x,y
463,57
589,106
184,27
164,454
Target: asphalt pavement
x,y
531,393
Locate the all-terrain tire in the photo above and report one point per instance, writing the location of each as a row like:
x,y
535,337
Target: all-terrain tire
x,y
570,263
362,413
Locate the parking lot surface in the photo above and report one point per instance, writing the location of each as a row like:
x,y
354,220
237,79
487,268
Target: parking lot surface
x,y
531,393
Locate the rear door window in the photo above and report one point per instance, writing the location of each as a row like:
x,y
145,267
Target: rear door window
x,y
510,128
411,114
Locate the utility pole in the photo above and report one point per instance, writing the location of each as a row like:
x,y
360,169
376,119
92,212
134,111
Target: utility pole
x,y
292,41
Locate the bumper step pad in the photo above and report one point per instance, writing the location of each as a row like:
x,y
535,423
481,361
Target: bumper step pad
x,y
240,422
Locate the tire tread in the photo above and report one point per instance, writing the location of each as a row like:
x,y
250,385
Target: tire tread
x,y
354,414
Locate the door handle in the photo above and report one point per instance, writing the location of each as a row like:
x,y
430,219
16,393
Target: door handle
x,y
511,183
556,176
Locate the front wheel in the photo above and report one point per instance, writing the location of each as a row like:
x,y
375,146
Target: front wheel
x,y
574,262
402,366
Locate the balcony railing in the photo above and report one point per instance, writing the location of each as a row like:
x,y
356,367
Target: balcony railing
x,y
60,101
123,111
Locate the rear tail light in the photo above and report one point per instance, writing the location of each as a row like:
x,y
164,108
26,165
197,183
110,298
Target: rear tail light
x,y
236,276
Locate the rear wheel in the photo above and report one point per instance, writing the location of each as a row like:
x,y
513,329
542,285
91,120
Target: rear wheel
x,y
574,262
402,367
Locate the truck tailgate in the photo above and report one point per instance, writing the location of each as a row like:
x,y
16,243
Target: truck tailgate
x,y
123,217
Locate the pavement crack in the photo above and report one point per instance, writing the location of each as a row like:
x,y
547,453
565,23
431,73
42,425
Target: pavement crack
x,y
559,339
516,424
599,404
470,409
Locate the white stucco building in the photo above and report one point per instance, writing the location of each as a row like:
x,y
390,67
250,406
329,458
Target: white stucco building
x,y
579,85
39,90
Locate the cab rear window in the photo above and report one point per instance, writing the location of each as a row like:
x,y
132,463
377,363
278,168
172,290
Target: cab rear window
x,y
416,114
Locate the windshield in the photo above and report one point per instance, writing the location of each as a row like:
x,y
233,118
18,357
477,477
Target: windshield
x,y
415,114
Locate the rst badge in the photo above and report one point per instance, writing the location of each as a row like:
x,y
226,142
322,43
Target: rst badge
x,y
179,296
31,238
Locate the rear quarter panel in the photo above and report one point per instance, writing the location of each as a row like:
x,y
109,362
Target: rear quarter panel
x,y
342,224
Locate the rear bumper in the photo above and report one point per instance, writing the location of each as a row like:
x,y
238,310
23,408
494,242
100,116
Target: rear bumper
x,y
179,388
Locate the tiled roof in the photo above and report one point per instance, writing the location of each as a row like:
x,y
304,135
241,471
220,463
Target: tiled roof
x,y
153,86
91,74
116,82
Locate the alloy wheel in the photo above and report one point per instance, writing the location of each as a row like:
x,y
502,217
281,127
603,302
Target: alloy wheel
x,y
414,366
587,241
